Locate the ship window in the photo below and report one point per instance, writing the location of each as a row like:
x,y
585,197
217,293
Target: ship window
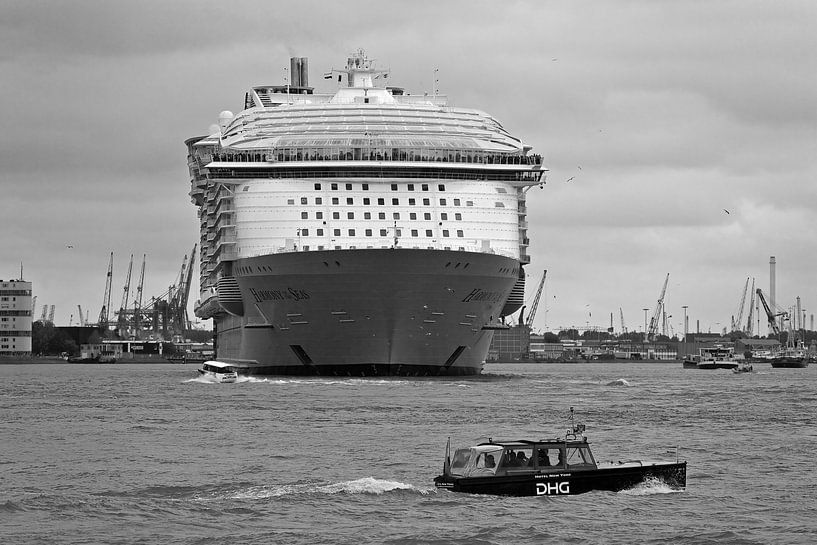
x,y
366,188
350,215
411,187
443,216
317,187
367,201
425,187
442,202
383,233
303,200
335,200
305,232
368,232
412,202
457,216
319,215
499,205
320,232
381,215
399,232
396,215
348,187
426,216
290,201
381,201
469,203
441,187
304,215
395,201
414,233
394,187
335,215
337,232
351,232
350,200
367,215
306,248
246,188
456,202
445,232
460,233
318,200
426,202
500,190
412,216
320,247
334,187
428,233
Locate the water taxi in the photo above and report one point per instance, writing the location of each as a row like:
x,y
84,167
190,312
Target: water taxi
x,y
547,467
219,371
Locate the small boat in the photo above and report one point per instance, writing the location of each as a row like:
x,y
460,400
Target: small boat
x,y
547,467
219,371
743,367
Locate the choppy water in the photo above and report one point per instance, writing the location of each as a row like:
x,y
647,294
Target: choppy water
x,y
150,454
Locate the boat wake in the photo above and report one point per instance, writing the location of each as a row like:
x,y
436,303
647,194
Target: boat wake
x,y
650,487
619,382
365,486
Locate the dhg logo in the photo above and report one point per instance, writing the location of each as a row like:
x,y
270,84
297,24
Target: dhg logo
x,y
551,489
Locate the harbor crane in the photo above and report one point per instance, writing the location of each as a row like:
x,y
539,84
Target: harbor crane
x,y
653,328
122,321
44,314
749,325
106,299
51,314
771,316
535,305
81,319
736,322
137,304
623,327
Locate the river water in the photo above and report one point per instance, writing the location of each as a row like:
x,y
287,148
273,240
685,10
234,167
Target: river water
x,y
151,454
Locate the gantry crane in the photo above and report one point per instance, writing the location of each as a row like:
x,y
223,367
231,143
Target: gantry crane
x,y
749,325
122,321
106,299
653,329
736,321
137,304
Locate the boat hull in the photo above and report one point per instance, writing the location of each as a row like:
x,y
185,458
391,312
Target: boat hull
x,y
567,483
370,312
789,362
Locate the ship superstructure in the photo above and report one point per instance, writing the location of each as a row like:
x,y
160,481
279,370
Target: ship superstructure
x,y
366,231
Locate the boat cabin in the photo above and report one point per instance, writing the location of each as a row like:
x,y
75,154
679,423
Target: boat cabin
x,y
218,367
499,458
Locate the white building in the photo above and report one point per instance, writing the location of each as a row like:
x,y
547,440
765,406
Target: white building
x,y
15,317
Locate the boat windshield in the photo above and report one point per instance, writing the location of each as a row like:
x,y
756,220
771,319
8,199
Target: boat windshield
x,y
579,456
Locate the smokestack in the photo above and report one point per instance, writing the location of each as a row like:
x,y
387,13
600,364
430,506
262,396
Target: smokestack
x,y
304,62
295,71
772,282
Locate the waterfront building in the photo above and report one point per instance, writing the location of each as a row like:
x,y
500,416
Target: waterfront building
x,y
15,318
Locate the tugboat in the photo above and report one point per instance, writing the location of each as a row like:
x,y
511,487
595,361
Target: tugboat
x,y
547,467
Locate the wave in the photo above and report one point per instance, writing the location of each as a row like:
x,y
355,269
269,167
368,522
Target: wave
x,y
619,382
10,507
649,487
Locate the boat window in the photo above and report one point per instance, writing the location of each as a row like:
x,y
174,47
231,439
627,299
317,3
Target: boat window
x,y
579,456
485,463
517,458
548,458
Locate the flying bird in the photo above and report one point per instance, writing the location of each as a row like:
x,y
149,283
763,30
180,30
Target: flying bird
x,y
69,246
725,210
569,179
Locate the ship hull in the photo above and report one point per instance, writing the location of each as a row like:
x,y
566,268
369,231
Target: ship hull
x,y
372,312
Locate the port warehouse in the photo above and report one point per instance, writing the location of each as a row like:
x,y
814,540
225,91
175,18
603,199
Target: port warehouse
x,y
518,343
93,345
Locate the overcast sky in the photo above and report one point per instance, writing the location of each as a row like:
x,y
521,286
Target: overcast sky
x,y
665,114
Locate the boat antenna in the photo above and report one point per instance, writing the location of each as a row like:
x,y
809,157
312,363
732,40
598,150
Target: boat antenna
x,y
575,430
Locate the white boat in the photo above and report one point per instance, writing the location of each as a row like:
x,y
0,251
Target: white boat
x,y
717,357
219,371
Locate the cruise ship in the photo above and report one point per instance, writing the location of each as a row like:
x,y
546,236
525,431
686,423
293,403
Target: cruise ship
x,y
363,232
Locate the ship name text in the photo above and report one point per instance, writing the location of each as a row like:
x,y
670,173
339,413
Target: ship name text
x,y
478,294
289,294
